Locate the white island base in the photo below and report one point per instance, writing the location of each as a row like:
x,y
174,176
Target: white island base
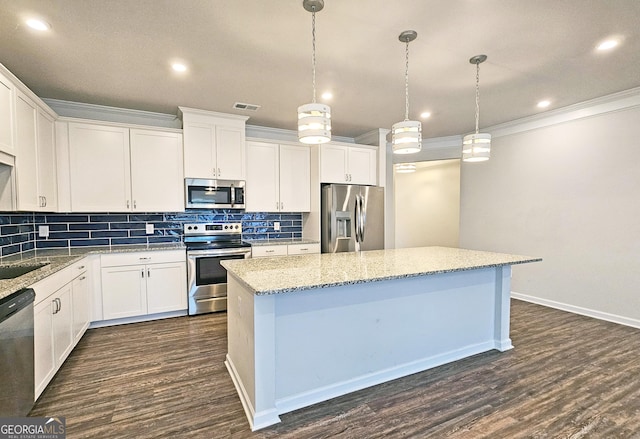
x,y
295,349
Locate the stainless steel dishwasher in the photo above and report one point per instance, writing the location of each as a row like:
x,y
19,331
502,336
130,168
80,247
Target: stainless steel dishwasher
x,y
16,353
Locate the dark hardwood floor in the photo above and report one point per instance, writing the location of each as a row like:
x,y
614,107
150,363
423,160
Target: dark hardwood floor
x,y
568,377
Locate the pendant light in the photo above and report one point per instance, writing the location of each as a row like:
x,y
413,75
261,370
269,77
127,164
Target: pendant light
x,y
314,120
405,168
477,147
406,136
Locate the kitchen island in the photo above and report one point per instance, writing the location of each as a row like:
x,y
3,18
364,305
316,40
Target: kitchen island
x,y
304,329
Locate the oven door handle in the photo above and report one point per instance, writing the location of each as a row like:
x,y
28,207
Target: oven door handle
x,y
218,252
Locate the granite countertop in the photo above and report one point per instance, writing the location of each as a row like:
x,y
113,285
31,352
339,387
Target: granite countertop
x,y
282,241
296,273
57,259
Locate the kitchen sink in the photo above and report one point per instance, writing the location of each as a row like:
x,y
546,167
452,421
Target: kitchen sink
x,y
13,271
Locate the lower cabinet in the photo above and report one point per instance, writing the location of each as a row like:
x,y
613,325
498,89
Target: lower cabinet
x,y
263,251
141,283
61,317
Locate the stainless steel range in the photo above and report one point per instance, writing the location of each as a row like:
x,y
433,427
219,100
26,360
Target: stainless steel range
x,y
207,245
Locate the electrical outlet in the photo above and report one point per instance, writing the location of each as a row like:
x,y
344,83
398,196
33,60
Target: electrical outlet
x,y
276,226
43,231
149,228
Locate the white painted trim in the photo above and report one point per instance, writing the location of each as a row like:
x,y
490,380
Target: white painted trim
x,y
208,113
294,402
436,148
256,420
606,104
104,113
26,90
137,319
621,320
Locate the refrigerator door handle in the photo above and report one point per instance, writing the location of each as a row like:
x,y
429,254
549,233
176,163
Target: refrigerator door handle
x,y
363,219
356,218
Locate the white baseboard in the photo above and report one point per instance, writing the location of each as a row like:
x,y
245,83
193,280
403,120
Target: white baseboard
x,y
614,318
137,319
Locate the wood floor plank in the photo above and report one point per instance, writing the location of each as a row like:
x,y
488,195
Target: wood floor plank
x,y
569,376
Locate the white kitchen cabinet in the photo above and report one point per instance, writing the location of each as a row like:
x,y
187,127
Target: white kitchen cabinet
x,y
214,145
47,178
141,283
278,177
99,169
115,169
262,251
7,115
157,183
347,164
35,157
61,313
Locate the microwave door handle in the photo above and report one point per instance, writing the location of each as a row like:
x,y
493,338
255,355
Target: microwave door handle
x,y
233,195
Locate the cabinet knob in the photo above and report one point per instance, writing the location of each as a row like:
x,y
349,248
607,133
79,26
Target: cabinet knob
x,y
128,204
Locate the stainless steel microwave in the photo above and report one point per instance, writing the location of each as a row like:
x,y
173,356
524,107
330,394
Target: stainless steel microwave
x,y
213,194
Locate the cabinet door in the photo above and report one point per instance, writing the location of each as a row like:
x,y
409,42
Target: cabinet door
x,y
362,166
99,167
166,287
6,115
230,153
333,164
157,182
81,306
63,324
44,360
47,183
123,292
199,150
295,178
262,177
26,154
265,251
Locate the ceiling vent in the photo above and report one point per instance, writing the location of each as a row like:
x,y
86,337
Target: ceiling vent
x,y
246,107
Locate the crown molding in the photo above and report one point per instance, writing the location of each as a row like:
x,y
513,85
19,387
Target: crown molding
x,y
105,113
606,104
268,133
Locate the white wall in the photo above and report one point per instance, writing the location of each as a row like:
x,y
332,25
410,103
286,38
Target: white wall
x,y
427,205
570,193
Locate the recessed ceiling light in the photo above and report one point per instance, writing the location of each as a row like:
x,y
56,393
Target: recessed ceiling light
x,y
425,115
327,95
179,67
37,24
607,45
543,104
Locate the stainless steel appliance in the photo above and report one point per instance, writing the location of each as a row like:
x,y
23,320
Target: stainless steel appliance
x,y
16,354
213,194
207,245
352,218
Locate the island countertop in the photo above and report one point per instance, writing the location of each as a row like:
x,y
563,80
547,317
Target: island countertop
x,y
297,273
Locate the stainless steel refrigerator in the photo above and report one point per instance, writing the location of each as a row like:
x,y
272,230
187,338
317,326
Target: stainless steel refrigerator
x,y
352,218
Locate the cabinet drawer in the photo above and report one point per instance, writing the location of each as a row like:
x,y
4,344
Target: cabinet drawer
x,y
143,257
262,251
45,287
302,249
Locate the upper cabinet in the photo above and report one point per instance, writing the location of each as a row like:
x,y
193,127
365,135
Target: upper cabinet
x,y
348,164
214,145
278,178
7,115
118,169
35,156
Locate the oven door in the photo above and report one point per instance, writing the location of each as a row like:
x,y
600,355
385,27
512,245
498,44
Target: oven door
x,y
207,279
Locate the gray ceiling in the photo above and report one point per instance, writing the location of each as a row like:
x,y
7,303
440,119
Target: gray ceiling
x,y
117,53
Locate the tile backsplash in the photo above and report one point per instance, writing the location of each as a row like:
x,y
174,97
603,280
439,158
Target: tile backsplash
x,y
19,231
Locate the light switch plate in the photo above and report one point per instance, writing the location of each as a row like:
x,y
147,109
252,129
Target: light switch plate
x,y
149,229
43,231
276,226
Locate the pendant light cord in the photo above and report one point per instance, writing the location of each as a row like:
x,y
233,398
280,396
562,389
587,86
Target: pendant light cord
x,y
313,56
477,94
406,83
